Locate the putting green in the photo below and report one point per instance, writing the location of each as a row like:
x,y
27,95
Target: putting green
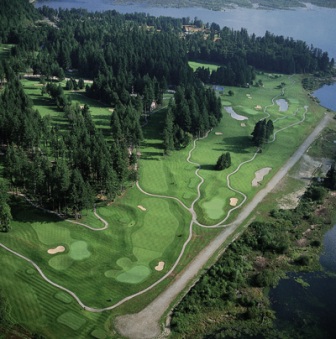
x,y
251,111
125,263
214,208
60,262
135,275
79,250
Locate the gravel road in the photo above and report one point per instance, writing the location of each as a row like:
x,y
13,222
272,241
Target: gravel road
x,y
145,324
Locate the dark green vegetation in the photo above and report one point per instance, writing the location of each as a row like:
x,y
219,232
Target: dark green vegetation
x,y
262,132
229,300
222,4
224,161
5,212
132,59
67,148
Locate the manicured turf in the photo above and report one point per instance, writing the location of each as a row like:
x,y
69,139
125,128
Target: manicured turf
x,y
72,320
104,267
79,250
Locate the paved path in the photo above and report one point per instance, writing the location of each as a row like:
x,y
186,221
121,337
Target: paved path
x,y
145,324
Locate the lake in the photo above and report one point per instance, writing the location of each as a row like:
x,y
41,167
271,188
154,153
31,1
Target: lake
x,y
312,24
309,312
327,96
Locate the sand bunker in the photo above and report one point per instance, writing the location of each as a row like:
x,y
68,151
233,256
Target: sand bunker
x,y
218,133
233,201
243,125
259,175
58,249
160,266
142,208
249,96
258,107
283,105
233,114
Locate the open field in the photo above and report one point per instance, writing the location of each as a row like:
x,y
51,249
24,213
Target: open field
x,y
194,65
103,267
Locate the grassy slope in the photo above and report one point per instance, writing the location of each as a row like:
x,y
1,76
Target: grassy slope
x,y
135,236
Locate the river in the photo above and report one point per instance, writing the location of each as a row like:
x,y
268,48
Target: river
x,y
308,309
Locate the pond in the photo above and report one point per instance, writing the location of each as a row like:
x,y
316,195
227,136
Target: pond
x,y
305,303
283,105
327,96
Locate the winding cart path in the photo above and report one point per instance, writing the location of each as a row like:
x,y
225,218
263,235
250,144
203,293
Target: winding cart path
x,y
145,324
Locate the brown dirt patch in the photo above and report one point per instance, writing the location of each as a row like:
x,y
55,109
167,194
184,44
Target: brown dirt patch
x,y
260,262
303,242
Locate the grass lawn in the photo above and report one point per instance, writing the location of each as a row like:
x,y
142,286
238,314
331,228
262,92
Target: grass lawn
x,y
194,65
103,267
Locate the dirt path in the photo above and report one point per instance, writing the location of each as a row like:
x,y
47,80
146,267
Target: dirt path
x,y
145,324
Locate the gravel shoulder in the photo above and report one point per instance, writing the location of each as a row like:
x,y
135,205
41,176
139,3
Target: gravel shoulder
x,y
145,324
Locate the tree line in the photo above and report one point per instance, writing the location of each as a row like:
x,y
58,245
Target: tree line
x,y
237,52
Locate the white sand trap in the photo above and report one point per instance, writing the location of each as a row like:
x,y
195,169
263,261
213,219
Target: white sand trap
x,y
81,106
259,175
111,110
218,133
233,201
233,114
160,266
249,96
258,107
142,208
58,249
243,125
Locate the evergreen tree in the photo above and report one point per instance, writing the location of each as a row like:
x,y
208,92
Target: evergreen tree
x,y
224,161
5,211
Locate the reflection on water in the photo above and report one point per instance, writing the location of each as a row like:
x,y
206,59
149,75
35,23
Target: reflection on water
x,y
309,312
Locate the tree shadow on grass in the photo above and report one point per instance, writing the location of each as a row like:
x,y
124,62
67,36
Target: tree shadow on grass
x,y
239,144
208,167
23,211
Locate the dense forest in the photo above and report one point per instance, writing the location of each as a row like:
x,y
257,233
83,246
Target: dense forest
x,y
132,60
